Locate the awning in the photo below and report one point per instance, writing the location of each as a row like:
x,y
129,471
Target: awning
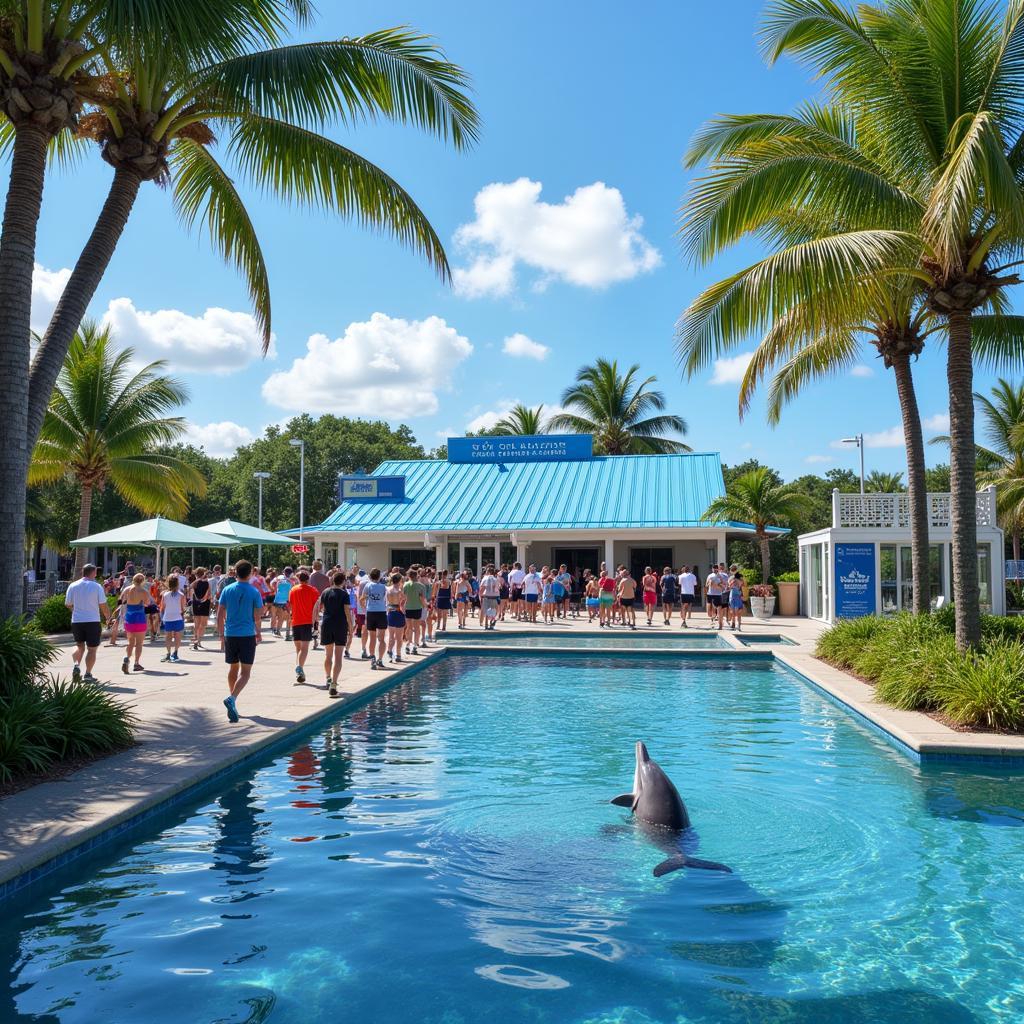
x,y
154,533
241,533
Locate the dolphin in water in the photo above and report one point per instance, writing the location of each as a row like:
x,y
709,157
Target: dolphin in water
x,y
657,805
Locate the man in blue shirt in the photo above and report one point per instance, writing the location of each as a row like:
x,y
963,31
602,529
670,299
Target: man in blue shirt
x,y
239,612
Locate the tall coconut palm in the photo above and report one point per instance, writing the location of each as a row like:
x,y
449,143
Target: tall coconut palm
x,y
49,61
616,408
522,421
756,499
937,88
104,421
877,482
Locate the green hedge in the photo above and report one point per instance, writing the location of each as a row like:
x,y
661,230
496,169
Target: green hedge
x,y
914,664
53,616
44,721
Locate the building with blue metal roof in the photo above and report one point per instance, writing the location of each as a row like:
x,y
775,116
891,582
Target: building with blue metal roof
x,y
545,500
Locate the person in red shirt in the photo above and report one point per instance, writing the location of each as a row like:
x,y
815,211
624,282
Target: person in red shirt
x,y
301,600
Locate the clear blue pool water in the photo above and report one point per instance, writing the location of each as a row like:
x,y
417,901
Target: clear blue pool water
x,y
447,854
615,639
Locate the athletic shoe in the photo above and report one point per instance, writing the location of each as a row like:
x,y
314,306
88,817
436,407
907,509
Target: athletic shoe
x,y
415,650
89,678
345,654
175,659
327,684
124,666
373,664
76,673
391,656
364,655
333,693
166,657
398,658
300,676
138,668
229,703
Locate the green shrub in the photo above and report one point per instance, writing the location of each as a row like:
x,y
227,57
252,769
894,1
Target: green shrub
x,y
53,616
1002,627
26,732
985,688
24,653
911,680
945,618
788,577
897,639
87,720
846,638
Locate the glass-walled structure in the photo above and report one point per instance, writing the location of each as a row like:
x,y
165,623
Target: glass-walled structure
x,y
862,565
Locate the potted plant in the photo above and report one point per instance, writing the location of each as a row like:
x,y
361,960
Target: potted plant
x,y
762,600
789,593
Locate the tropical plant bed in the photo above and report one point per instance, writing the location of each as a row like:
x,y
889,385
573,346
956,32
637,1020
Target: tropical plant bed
x,y
60,770
913,663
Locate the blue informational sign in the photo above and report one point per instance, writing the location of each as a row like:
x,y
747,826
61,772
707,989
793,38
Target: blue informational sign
x,y
855,580
526,448
371,488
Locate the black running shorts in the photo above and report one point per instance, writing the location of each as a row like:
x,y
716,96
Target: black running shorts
x,y
87,633
239,649
304,632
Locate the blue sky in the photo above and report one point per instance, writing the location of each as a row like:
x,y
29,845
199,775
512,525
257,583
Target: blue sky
x,y
560,224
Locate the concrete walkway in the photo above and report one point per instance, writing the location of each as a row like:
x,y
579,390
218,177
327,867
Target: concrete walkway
x,y
184,736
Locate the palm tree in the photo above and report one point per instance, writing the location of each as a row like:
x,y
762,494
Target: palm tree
x,y
616,408
159,122
1001,461
50,56
936,88
43,527
103,423
755,499
878,482
521,421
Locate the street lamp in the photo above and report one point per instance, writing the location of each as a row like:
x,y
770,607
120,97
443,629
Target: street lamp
x,y
858,440
297,442
260,477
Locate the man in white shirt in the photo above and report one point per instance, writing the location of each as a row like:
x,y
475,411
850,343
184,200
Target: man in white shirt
x,y
687,589
515,589
714,588
88,603
532,586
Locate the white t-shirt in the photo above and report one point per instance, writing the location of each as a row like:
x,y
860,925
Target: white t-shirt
x,y
688,583
714,584
84,598
174,606
489,586
532,583
516,577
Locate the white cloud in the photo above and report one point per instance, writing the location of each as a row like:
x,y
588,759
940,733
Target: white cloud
x,y
819,458
47,288
861,370
939,422
588,239
731,370
220,341
383,366
520,346
221,440
484,420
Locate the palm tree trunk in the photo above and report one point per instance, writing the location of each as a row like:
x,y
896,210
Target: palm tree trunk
x,y
917,490
37,556
78,293
17,258
766,560
963,506
84,515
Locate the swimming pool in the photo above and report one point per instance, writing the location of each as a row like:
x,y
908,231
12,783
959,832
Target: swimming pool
x,y
613,639
447,854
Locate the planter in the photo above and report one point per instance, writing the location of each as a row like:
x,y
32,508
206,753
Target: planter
x,y
762,607
789,598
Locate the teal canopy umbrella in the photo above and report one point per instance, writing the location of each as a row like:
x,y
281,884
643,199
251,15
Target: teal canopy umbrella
x,y
159,534
241,534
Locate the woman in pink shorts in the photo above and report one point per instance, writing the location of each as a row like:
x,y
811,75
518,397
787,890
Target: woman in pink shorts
x,y
650,585
134,600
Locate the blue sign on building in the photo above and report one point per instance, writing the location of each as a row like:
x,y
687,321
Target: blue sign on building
x,y
855,580
526,448
371,488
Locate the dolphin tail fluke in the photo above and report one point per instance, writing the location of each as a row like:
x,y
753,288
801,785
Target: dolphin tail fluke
x,y
624,800
682,861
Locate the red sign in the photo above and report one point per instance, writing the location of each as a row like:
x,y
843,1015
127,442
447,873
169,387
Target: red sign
x,y
300,549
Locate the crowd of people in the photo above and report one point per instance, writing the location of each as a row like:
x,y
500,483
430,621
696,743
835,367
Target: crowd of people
x,y
391,614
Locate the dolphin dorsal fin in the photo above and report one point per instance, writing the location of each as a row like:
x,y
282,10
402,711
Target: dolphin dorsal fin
x,y
625,800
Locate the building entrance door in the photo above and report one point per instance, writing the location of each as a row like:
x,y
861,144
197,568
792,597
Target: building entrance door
x,y
577,559
478,556
640,558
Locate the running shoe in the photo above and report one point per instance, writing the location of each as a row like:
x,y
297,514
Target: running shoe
x,y
89,678
347,655
398,659
124,666
138,668
327,684
300,676
415,650
373,664
364,655
166,657
333,693
229,703
391,656
76,673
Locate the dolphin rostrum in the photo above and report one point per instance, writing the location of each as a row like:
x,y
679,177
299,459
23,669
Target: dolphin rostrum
x,y
657,805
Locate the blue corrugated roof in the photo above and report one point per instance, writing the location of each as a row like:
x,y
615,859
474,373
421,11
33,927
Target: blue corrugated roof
x,y
621,491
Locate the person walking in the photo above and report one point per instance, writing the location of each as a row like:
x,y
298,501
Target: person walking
x,y
490,592
302,599
687,591
714,587
463,591
627,598
135,596
88,603
172,617
396,617
442,601
279,610
650,591
202,603
375,598
515,589
669,593
736,600
533,584
336,626
239,615
415,598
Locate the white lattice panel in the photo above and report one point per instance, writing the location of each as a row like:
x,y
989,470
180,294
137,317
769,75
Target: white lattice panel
x,y
892,511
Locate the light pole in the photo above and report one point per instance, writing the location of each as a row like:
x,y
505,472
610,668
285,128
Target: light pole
x,y
858,440
297,442
260,477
